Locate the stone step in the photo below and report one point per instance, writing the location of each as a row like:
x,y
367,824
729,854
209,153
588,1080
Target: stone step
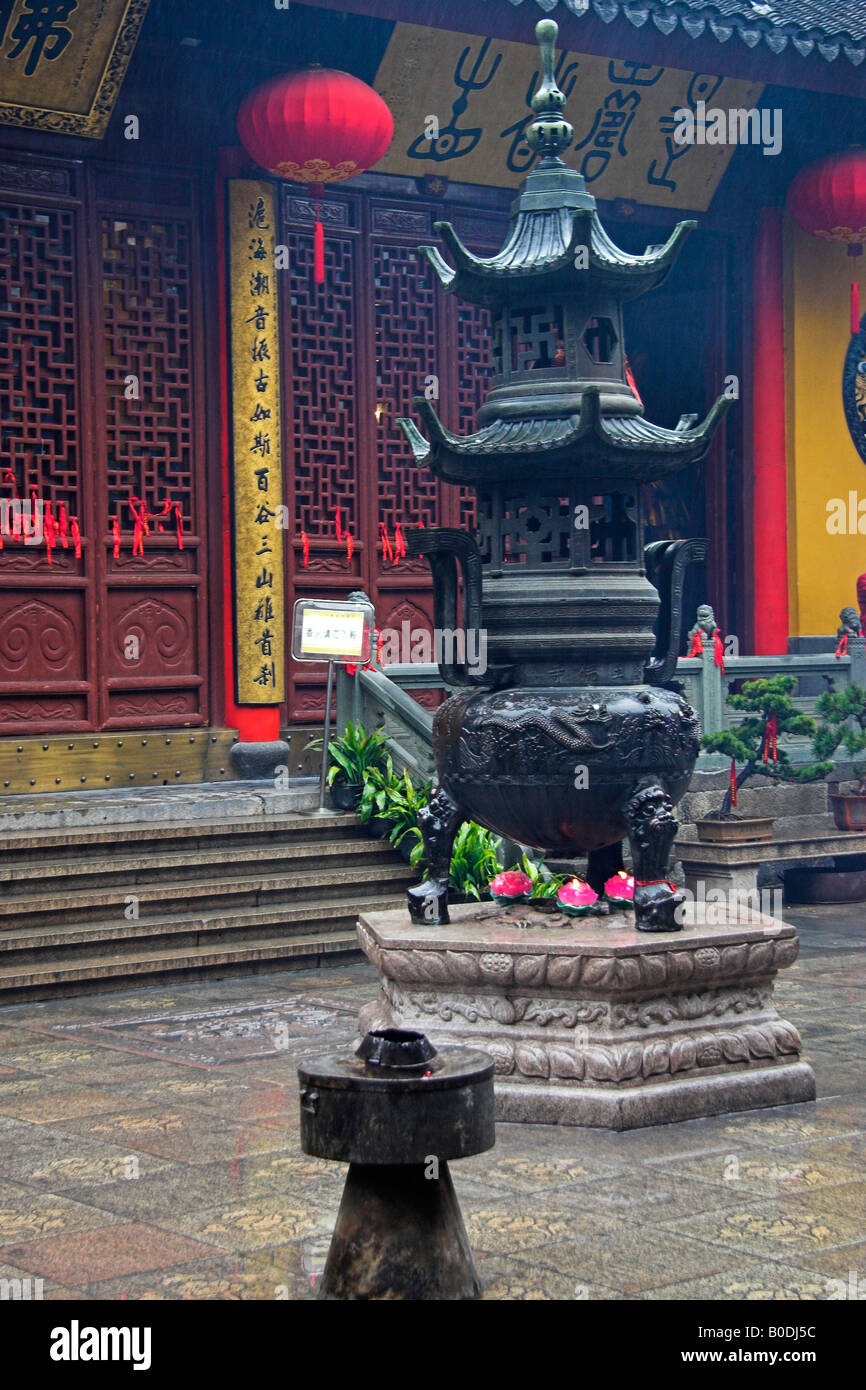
x,y
322,883
131,805
186,863
223,882
258,953
69,940
268,828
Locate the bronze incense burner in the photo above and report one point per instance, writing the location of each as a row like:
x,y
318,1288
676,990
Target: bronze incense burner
x,y
571,738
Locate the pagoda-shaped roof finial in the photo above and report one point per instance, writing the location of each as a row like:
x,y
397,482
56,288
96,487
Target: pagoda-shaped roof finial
x,y
550,132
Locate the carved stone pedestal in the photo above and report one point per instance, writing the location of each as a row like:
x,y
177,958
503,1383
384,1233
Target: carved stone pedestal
x,y
592,1024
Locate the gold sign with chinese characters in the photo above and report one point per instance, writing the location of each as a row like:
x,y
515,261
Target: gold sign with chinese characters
x,y
257,475
457,98
62,62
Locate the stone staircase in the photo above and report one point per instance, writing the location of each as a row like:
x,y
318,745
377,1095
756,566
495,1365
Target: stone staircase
x,y
86,906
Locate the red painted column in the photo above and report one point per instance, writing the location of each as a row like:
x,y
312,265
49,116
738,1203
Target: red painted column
x,y
254,723
770,487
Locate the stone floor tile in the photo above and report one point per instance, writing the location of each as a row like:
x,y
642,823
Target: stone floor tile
x,y
790,1225
751,1281
108,1252
178,1133
633,1261
769,1172
255,1222
26,1215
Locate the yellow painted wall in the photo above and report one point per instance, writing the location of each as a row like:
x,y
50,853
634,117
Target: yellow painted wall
x,y
822,460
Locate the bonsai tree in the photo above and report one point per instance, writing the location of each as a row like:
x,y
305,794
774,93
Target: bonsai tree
x,y
843,724
754,742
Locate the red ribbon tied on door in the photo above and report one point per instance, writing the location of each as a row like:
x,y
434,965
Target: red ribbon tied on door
x,y
142,527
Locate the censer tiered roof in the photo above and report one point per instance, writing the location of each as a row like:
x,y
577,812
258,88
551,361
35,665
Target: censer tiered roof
x,y
557,252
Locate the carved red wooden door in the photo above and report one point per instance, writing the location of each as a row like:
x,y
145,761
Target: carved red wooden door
x,y
355,354
101,361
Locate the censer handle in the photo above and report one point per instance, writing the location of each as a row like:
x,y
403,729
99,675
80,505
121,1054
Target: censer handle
x,y
445,547
666,568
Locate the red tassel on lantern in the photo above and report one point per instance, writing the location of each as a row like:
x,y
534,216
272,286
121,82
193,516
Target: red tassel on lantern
x,y
350,546
399,543
178,524
76,536
387,552
63,526
305,548
115,531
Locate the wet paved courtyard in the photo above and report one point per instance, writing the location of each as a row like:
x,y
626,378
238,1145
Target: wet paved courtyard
x,y
149,1150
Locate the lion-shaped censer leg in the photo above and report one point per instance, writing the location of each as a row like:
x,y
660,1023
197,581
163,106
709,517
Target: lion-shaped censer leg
x,y
439,822
652,826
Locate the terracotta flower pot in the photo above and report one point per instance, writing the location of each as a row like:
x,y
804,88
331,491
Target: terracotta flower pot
x,y
735,832
849,810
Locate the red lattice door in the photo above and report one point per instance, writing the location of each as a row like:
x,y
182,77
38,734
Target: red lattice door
x,y
93,298
356,353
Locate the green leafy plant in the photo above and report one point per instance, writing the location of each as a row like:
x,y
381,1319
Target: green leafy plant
x,y
746,743
843,724
355,754
544,883
393,797
475,859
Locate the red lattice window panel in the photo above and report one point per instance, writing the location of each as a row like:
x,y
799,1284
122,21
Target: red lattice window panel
x,y
321,336
148,336
39,363
474,331
405,326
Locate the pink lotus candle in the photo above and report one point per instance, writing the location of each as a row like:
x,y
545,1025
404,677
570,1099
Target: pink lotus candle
x,y
511,886
619,889
576,897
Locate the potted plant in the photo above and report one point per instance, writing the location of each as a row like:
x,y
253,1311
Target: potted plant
x,y
397,802
770,713
354,755
843,724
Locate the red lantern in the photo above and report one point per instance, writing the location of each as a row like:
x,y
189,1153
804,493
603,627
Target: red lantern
x,y
828,199
316,126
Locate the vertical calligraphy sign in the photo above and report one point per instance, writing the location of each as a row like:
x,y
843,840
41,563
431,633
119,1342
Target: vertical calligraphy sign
x,y
257,474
